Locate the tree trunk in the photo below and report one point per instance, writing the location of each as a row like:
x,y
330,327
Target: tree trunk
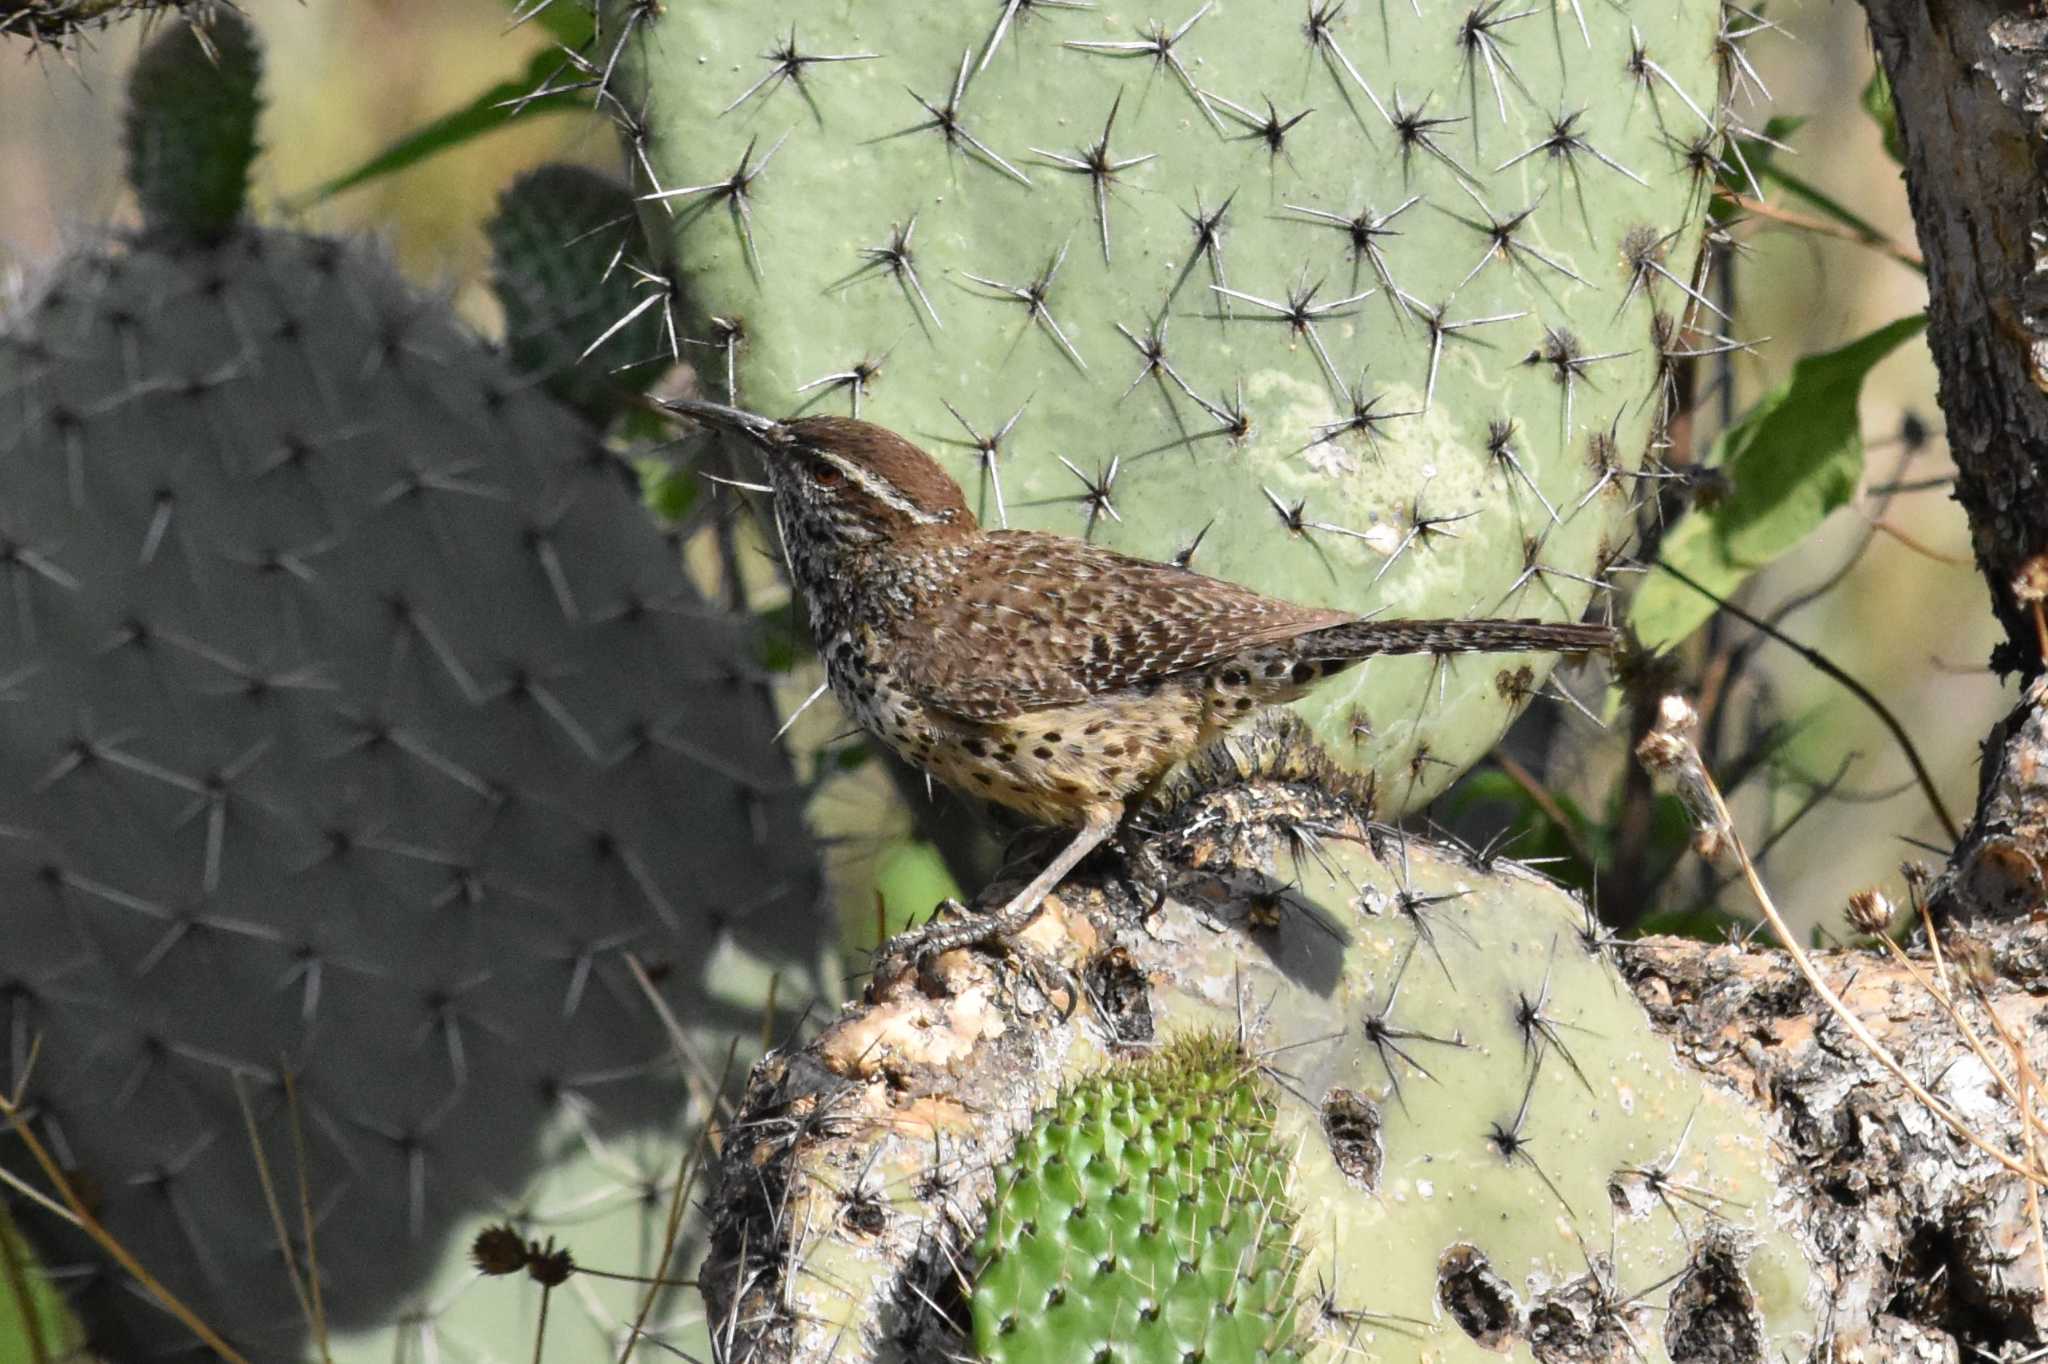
x,y
1970,85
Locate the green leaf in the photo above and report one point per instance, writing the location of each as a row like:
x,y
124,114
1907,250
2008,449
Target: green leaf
x,y
667,491
487,113
1793,458
33,1319
1877,102
572,23
910,878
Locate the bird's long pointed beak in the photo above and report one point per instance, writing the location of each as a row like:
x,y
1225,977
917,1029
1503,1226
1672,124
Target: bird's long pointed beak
x,y
765,432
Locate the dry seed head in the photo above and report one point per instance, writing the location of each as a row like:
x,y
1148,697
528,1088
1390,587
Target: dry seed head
x,y
1672,758
1869,912
498,1250
1667,749
547,1266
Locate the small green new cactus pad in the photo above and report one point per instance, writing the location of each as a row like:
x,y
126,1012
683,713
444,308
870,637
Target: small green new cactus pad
x,y
1362,304
369,770
191,128
1144,1218
565,263
1489,1152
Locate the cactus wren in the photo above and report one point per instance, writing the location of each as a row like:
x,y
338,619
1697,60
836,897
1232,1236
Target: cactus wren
x,y
1035,670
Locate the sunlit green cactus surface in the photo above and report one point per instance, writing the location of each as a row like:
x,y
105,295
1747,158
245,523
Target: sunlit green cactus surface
x,y
1147,1212
1357,303
1485,1150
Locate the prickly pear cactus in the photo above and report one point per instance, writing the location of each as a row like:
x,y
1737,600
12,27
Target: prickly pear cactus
x,y
565,247
191,127
1146,1213
360,732
1493,1154
1359,304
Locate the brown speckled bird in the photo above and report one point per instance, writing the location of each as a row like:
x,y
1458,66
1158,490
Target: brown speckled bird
x,y
1036,670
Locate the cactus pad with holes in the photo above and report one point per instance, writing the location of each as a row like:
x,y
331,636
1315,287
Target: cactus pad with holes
x,y
1493,1153
1358,304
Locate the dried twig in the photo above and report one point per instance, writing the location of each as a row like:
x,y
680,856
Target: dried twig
x,y
1823,227
1671,754
106,1241
276,1210
1826,665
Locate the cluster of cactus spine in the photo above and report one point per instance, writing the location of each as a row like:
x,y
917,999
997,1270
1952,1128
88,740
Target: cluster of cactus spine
x,y
369,770
1144,1218
1490,1152
1362,305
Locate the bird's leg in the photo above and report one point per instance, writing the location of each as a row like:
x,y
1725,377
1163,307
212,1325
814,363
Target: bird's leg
x,y
1145,874
908,950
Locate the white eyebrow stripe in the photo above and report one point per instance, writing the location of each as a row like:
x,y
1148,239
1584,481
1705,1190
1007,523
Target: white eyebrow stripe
x,y
877,489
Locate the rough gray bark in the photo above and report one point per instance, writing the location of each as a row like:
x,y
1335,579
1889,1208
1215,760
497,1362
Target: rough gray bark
x,y
1970,85
1928,1244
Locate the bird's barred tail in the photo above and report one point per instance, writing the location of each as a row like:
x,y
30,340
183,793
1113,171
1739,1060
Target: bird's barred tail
x,y
1367,638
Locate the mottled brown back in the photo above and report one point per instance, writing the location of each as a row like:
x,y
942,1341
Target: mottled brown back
x,y
1043,620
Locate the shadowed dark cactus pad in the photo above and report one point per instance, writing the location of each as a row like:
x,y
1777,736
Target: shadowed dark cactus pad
x,y
357,724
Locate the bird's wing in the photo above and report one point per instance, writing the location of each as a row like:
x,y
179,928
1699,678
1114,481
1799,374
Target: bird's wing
x,y
1008,642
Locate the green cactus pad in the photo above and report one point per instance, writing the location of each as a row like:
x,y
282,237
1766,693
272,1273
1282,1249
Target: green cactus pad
x,y
1492,1154
1143,1219
564,262
193,102
1358,304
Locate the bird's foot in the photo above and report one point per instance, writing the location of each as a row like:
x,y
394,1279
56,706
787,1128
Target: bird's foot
x,y
952,926
1144,874
949,927
907,953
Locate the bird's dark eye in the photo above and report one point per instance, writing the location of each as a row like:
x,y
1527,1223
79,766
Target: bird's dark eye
x,y
827,475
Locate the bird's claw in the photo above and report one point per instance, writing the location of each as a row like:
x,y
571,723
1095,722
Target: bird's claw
x,y
952,926
907,952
